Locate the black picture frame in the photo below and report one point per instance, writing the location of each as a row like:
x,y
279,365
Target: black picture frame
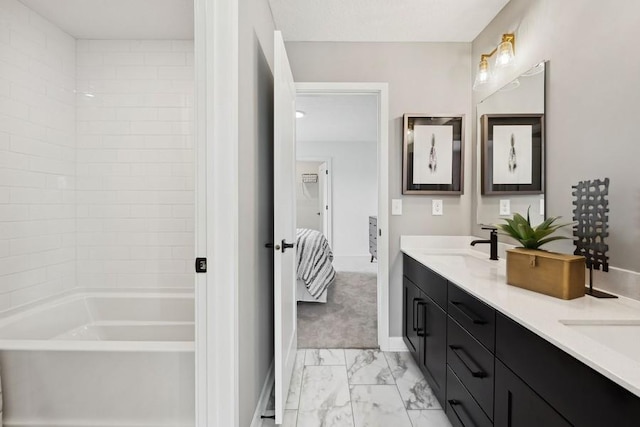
x,y
488,123
456,187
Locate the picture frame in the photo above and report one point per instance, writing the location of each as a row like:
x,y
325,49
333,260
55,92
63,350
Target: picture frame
x,y
512,154
433,154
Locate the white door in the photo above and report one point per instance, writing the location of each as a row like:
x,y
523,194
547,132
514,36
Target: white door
x,y
284,229
324,202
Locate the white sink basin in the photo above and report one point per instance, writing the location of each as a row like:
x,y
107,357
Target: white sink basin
x,y
622,336
477,265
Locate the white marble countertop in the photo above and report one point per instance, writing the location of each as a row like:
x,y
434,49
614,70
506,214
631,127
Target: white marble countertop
x,y
471,270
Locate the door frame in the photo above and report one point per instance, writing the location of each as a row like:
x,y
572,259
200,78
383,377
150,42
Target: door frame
x,y
216,212
381,90
326,160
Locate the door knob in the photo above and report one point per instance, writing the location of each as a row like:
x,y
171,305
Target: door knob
x,y
286,245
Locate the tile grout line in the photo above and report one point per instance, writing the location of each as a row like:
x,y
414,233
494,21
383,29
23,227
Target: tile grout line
x,y
353,414
395,382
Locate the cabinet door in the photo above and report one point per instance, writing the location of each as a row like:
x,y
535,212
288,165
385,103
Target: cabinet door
x,y
411,299
433,355
516,405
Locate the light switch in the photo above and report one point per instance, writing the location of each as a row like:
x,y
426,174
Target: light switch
x,y
505,207
436,207
542,207
396,206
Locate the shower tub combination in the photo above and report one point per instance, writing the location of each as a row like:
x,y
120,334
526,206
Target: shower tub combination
x,y
95,358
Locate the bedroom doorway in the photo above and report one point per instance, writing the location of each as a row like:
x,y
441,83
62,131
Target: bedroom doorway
x,y
314,207
341,137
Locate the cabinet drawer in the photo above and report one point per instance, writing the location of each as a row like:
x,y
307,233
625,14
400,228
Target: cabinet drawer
x,y
462,409
432,284
475,316
473,365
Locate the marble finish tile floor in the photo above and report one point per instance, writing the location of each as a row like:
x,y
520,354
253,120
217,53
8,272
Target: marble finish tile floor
x,y
359,388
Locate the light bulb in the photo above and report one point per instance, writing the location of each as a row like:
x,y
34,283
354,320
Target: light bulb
x,y
504,54
482,76
300,114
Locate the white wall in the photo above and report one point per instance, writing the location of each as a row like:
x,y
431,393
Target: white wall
x,y
355,191
592,109
430,78
307,197
37,157
135,163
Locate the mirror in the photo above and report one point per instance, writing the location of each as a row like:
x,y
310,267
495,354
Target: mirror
x,y
510,150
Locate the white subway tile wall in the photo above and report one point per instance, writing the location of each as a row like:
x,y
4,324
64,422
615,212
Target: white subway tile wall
x,y
135,163
37,157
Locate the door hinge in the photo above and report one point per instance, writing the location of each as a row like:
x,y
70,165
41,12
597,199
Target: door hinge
x,y
201,265
379,232
326,172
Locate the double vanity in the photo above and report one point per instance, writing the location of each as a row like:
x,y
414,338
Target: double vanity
x,y
498,355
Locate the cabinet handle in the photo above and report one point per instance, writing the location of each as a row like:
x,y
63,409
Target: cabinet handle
x,y
470,364
422,332
414,312
468,313
453,403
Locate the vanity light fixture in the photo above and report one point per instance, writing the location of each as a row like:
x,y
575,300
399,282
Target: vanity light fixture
x,y
505,54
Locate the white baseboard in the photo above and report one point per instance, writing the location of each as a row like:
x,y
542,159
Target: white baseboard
x,y
396,344
264,397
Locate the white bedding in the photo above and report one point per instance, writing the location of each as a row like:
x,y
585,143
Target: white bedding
x,y
314,270
302,293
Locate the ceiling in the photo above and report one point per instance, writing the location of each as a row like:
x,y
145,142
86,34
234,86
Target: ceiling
x,y
384,20
342,118
119,19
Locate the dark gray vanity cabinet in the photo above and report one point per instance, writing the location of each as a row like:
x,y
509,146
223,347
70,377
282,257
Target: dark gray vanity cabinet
x,y
518,405
579,394
488,370
425,323
470,359
411,299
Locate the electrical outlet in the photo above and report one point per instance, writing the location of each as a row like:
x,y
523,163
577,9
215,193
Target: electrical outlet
x,y
436,207
505,207
396,206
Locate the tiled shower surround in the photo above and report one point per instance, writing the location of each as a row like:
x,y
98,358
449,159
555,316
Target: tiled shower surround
x,y
96,161
37,157
135,163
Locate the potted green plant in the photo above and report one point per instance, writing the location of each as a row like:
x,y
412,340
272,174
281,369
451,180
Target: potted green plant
x,y
528,267
531,237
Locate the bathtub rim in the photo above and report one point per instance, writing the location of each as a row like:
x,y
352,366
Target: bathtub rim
x,y
33,308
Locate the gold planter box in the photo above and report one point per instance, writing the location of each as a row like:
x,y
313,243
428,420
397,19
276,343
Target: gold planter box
x,y
549,273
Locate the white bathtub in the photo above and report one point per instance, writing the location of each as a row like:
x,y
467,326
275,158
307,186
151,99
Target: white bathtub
x,y
100,359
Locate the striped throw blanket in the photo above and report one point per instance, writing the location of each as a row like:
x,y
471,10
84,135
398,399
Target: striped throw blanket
x,y
314,261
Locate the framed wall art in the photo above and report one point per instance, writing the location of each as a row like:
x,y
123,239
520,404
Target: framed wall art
x,y
512,154
433,154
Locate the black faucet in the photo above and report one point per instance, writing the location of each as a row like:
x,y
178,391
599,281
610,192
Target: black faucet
x,y
493,241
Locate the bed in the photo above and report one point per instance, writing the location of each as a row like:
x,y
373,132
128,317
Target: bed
x,y
315,272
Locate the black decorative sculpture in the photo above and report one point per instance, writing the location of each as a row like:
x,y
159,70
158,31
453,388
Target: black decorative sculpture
x,y
591,214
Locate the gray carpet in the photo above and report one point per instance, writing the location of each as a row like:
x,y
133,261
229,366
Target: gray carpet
x,y
349,318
